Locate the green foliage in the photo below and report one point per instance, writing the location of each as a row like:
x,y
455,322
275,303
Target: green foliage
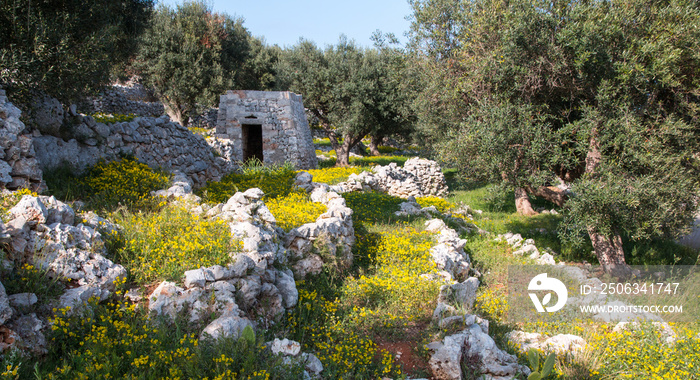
x,y
533,358
110,118
30,279
349,91
598,93
372,207
67,48
191,55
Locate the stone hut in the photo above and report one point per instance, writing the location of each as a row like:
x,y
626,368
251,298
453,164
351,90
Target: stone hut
x,y
268,125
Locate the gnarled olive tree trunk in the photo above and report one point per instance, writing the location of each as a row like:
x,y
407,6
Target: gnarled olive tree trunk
x,y
608,248
522,202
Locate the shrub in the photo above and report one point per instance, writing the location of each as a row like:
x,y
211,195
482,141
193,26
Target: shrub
x,y
30,279
125,182
294,209
372,207
162,245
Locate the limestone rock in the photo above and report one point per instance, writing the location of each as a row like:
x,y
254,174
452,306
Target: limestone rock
x,y
474,343
226,326
22,300
31,208
287,288
5,309
560,344
285,347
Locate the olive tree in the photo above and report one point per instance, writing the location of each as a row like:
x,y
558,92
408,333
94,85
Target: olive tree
x,y
604,95
351,91
191,55
67,48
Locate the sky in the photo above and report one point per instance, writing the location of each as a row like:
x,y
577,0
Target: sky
x,y
284,22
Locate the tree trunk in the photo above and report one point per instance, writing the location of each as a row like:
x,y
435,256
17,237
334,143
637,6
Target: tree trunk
x,y
550,193
374,145
609,251
176,114
522,202
342,154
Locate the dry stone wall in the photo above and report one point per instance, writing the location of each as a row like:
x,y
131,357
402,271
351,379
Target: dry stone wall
x,y
156,142
132,98
269,125
417,178
19,167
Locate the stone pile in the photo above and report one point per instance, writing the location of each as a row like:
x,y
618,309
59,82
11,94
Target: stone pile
x,y
329,238
156,142
19,167
248,292
449,253
526,247
418,178
48,234
474,348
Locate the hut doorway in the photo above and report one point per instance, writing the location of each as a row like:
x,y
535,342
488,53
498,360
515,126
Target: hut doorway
x,y
252,142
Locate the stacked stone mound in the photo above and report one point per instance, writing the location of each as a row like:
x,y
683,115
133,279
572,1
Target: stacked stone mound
x,y
19,167
47,233
418,178
449,255
156,142
329,238
131,98
249,291
475,347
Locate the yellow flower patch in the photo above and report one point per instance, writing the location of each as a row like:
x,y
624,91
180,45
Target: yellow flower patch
x,y
294,209
440,204
163,245
127,182
334,175
394,293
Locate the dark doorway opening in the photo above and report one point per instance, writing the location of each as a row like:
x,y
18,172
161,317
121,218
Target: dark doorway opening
x,y
252,142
